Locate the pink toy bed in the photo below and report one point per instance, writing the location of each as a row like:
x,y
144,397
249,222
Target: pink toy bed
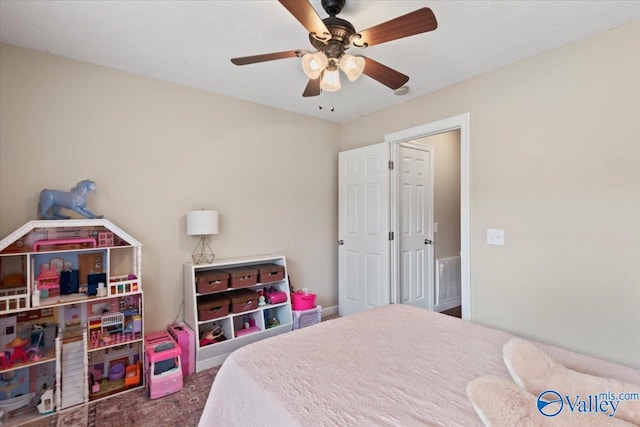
x,y
395,365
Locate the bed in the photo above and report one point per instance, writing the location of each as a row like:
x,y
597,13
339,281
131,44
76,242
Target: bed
x,y
395,365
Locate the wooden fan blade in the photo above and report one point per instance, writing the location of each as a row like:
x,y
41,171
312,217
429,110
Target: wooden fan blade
x,y
308,17
313,88
385,75
264,57
416,22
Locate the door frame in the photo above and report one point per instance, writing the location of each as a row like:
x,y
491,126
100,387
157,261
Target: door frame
x,y
463,123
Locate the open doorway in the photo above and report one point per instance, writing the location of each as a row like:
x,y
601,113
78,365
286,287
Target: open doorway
x,y
429,219
368,253
437,130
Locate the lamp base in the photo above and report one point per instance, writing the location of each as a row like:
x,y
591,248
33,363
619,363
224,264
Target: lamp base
x,y
203,254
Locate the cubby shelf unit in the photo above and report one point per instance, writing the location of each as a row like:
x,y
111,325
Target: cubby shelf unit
x,y
211,355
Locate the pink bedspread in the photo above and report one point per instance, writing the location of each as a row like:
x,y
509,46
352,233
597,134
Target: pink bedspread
x,y
395,365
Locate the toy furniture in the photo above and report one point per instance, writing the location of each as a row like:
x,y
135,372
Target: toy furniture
x,y
95,330
33,351
116,372
95,384
53,242
132,375
164,372
18,344
137,323
112,323
49,280
14,403
105,238
46,402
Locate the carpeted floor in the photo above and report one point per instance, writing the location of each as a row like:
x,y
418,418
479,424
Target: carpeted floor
x,y
136,409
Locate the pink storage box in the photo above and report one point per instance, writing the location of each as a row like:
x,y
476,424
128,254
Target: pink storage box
x,y
302,301
274,296
247,331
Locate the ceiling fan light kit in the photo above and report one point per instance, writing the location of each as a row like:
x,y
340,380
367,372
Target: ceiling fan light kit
x,y
330,79
332,36
352,66
313,64
317,64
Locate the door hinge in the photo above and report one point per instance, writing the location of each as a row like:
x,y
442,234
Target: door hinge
x,y
391,235
390,165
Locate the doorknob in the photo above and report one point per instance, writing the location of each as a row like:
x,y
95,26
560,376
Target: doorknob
x,y
428,242
340,242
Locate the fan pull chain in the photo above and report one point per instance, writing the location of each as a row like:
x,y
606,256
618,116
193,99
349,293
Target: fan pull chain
x,y
332,109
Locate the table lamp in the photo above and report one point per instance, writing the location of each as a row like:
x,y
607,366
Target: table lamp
x,y
202,223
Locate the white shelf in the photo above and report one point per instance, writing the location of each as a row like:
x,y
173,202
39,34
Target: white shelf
x,y
214,354
244,313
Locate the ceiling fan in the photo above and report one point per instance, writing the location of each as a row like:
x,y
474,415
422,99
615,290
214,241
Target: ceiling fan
x,y
333,36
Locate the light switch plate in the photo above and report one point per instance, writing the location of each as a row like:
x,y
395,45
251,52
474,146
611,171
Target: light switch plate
x,y
495,237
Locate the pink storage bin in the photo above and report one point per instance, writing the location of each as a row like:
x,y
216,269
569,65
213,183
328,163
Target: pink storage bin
x,y
302,301
247,331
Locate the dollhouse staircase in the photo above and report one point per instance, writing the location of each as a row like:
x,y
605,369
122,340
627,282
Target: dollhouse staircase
x,y
71,373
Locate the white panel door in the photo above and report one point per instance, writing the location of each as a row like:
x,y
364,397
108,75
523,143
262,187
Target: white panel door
x,y
415,194
363,229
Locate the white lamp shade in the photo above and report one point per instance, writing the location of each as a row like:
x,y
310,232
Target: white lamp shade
x,y
313,64
353,66
330,80
202,222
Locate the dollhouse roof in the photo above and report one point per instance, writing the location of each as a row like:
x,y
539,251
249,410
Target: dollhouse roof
x,y
66,223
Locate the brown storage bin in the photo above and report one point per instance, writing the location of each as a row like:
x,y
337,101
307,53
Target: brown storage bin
x,y
213,307
241,277
269,273
243,300
211,281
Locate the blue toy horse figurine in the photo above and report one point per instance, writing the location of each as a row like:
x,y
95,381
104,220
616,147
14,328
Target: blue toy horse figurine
x,y
75,200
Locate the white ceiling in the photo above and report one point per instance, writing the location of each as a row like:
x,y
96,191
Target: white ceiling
x,y
191,42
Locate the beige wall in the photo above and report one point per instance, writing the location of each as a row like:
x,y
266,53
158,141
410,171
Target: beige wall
x,y
157,150
554,162
446,180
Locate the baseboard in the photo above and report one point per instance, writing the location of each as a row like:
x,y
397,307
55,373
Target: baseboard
x,y
329,311
448,305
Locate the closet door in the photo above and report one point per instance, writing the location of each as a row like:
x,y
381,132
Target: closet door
x,y
363,229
